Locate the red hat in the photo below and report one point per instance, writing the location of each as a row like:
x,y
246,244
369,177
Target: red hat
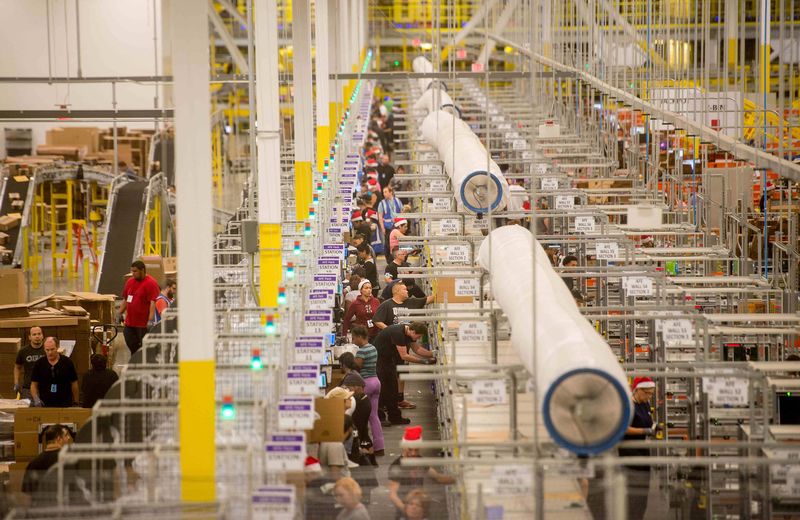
x,y
312,465
412,435
642,382
357,217
371,213
770,186
399,221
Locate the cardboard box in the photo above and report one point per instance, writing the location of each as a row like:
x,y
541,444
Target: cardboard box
x,y
15,310
154,264
99,306
3,238
330,426
86,137
8,356
12,286
170,263
445,285
10,221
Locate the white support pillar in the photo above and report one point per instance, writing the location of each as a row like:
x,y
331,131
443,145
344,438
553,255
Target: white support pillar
x,y
322,53
500,26
334,64
303,107
345,62
268,142
547,28
190,66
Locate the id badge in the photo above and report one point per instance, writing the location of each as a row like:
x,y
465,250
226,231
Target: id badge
x,y
369,324
54,388
130,298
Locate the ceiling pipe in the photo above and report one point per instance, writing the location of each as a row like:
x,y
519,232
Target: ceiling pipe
x,y
477,181
583,391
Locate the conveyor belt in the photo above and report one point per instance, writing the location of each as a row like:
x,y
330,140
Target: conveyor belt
x,y
121,237
13,186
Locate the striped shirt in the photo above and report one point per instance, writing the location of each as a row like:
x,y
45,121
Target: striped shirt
x,y
370,356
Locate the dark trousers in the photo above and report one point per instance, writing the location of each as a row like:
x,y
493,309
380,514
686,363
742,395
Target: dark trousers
x,y
386,252
387,374
637,492
133,338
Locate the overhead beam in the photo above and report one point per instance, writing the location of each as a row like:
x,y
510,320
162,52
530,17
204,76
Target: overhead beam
x,y
227,38
499,27
470,26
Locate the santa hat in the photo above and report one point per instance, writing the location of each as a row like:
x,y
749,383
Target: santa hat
x,y
375,150
399,221
357,217
372,181
770,186
371,162
312,465
412,436
642,382
371,214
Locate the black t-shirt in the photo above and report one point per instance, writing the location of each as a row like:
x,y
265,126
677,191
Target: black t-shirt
x,y
27,357
387,340
413,290
36,471
386,314
391,269
409,477
361,418
55,381
385,174
372,274
641,419
95,384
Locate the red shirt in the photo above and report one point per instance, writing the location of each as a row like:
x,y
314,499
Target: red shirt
x,y
363,312
139,295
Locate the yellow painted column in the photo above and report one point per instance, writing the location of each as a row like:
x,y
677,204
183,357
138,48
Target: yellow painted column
x,y
193,179
764,48
270,267
732,31
303,107
269,152
302,187
322,63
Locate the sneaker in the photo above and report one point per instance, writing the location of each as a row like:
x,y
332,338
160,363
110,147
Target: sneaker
x,y
406,405
401,420
351,464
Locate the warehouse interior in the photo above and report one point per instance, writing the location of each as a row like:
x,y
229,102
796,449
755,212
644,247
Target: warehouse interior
x,y
591,206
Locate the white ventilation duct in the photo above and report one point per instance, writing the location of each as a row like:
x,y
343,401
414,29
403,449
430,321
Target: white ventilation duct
x,y
427,102
477,181
422,64
584,394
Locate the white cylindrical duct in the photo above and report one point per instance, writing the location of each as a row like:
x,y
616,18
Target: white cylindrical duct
x,y
428,103
586,403
477,181
422,64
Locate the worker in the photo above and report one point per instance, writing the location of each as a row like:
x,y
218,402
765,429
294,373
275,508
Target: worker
x,y
367,261
402,479
138,305
387,315
398,231
97,381
570,261
165,299
54,381
367,361
393,344
399,259
388,210
347,493
350,294
361,413
55,437
385,173
26,358
417,504
642,426
362,310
